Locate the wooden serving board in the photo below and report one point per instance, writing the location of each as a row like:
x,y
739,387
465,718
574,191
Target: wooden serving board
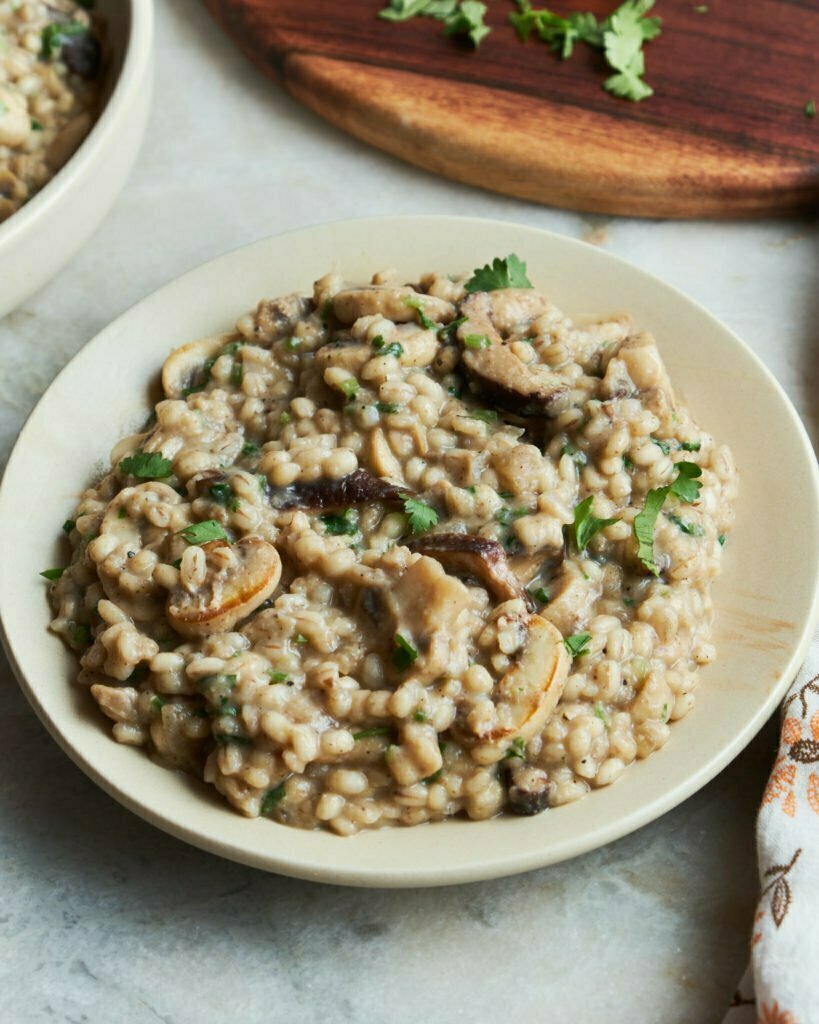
x,y
725,134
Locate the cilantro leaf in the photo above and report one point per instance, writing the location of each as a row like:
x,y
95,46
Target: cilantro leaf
x,y
468,20
421,517
622,42
502,273
577,645
146,466
586,524
342,524
404,654
643,527
201,533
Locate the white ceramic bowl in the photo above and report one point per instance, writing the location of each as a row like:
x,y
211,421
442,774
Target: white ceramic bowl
x,y
37,240
766,600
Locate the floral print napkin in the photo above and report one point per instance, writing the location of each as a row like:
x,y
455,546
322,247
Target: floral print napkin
x,y
785,939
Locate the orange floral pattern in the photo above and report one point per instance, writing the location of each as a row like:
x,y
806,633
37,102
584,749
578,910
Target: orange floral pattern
x,y
773,1014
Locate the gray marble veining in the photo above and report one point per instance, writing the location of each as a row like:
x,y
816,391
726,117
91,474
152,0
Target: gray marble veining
x,y
104,919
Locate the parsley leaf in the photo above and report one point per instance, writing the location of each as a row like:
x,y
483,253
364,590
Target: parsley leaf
x,y
201,533
503,273
342,524
404,654
541,594
586,524
559,33
146,466
602,714
484,415
686,486
477,341
69,525
52,574
277,677
421,517
507,516
810,108
577,645
223,495
367,734
350,387
643,527
622,42
468,20
517,748
387,407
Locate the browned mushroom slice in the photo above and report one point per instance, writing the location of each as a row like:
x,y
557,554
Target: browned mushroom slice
x,y
464,554
526,695
528,790
185,366
397,303
497,375
358,488
238,578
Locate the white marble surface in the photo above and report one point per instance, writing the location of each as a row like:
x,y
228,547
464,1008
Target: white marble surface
x,y
104,919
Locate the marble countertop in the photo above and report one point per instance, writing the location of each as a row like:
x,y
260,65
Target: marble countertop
x,y
105,919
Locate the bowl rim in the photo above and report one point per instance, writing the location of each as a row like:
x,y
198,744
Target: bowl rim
x,y
321,867
131,78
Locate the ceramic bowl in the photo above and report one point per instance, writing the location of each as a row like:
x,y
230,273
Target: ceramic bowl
x,y
43,235
766,599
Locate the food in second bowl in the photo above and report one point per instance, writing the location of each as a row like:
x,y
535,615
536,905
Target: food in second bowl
x,y
50,63
396,552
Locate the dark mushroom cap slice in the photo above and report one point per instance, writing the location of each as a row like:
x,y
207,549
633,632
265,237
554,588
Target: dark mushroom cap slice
x,y
528,790
468,555
358,488
498,376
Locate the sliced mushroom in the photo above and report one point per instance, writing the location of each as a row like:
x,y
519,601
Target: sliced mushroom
x,y
182,366
358,488
238,578
645,365
468,555
528,790
275,318
527,694
498,376
398,303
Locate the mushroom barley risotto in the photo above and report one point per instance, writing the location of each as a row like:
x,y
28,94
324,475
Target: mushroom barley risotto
x,y
395,552
50,60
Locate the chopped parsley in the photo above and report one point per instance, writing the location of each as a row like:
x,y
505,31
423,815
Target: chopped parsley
x,y
810,108
57,33
79,635
541,594
68,525
368,734
52,574
393,349
477,341
157,703
421,517
690,446
341,524
223,495
250,448
575,454
301,639
517,748
721,540
404,654
217,686
628,602
507,516
146,466
36,126
420,716
284,418
484,415
501,273
577,645
226,737
586,524
236,374
627,463
664,446
277,677
350,387
692,529
418,306
460,17
602,714
201,533
387,407
272,799
291,344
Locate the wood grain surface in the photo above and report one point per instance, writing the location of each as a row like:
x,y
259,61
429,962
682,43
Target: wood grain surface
x,y
724,135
